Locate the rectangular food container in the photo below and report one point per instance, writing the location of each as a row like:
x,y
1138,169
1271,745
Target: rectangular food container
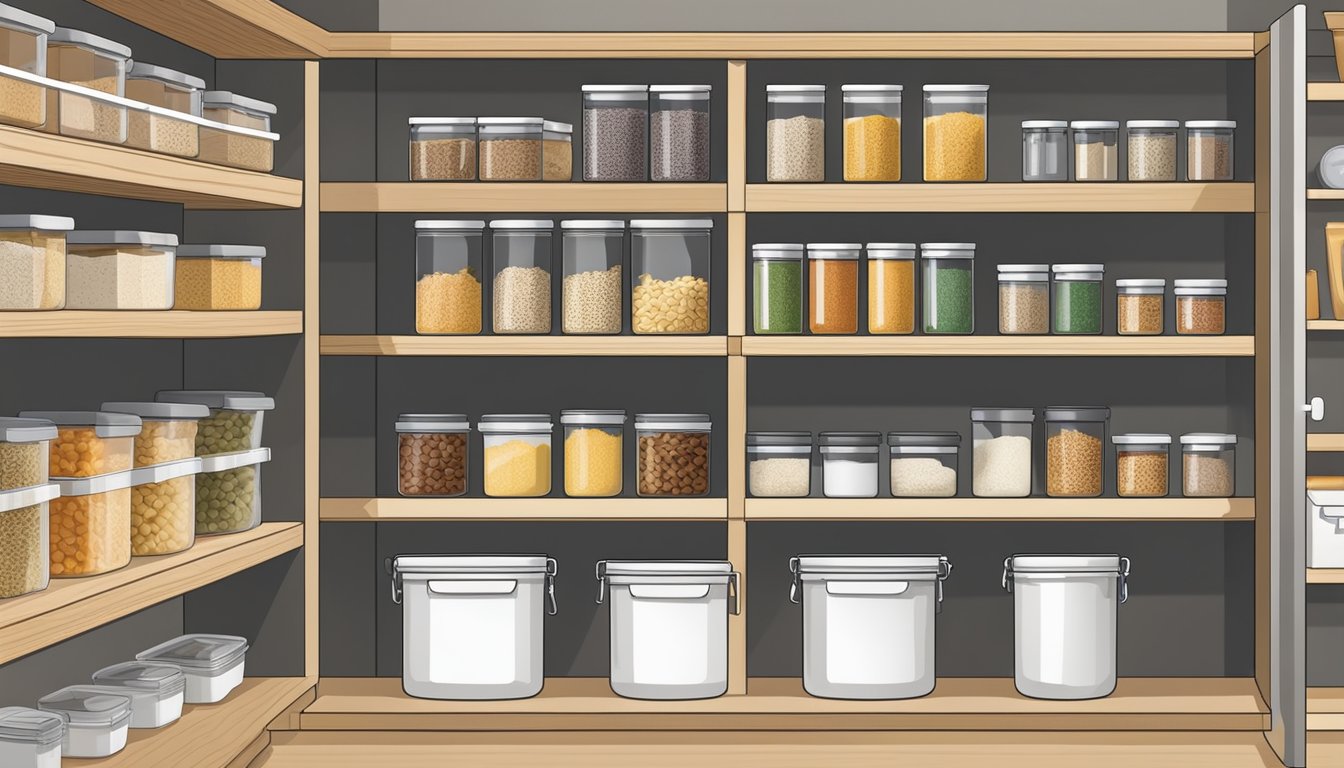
x,y
215,277
779,464
25,554
228,492
615,132
30,738
557,151
673,451
163,506
167,89
254,149
167,430
24,452
443,148
679,132
91,525
32,258
669,275
89,443
156,690
235,419
1075,450
119,269
212,664
23,47
509,148
96,719
1002,451
432,456
95,65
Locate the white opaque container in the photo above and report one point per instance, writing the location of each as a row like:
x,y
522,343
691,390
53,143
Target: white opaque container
x,y
1325,533
212,664
849,464
96,719
119,269
669,627
156,690
1065,611
868,623
30,738
472,625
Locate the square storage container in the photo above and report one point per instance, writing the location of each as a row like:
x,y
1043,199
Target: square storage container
x,y
1208,464
679,132
91,525
1152,149
955,118
872,132
1201,307
594,446
89,443
521,253
235,419
25,544
215,277
1096,150
1002,454
1325,531
849,464
24,452
448,276
517,453
212,664
119,269
779,464
91,62
96,719
167,430
432,455
949,287
593,285
924,464
472,625
1075,450
615,132
557,151
23,46
673,450
443,148
1078,298
669,274
1045,150
1024,299
30,738
509,148
163,507
777,288
32,258
1209,150
1141,464
1140,307
167,89
228,492
833,287
669,626
156,690
891,288
795,133
253,150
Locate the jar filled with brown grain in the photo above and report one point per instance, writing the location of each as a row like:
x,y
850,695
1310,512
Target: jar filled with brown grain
x,y
1075,450
833,287
1141,464
1209,150
673,453
1151,149
432,454
1208,464
891,287
557,151
23,46
24,446
443,148
509,148
1140,307
1201,307
1024,299
97,63
253,151
169,89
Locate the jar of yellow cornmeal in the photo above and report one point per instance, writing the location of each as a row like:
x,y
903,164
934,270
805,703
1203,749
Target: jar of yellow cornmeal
x,y
872,132
594,443
955,120
218,277
517,453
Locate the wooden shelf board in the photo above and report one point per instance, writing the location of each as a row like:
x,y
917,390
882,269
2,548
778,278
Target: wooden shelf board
x,y
228,29
1016,197
1325,441
532,510
1325,325
999,346
520,346
148,325
988,510
1325,91
1325,194
45,161
1325,575
1325,709
507,197
71,606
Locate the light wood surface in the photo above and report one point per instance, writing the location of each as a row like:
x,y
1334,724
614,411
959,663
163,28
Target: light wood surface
x,y
1065,197
312,365
251,752
988,510
554,509
1325,748
1325,194
172,324
515,197
737,136
738,275
227,29
1325,325
738,684
1325,441
1001,346
71,606
1325,709
1325,91
1325,575
515,346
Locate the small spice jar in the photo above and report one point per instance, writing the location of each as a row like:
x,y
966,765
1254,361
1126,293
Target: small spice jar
x,y
443,148
594,445
833,287
517,454
777,287
779,464
1045,150
955,133
557,151
849,464
432,454
1208,151
615,132
872,132
924,464
669,275
32,260
1075,441
679,132
1078,298
521,255
795,133
1001,444
1024,299
1140,307
1141,462
592,287
1201,307
448,276
949,287
1096,150
1208,464
1151,147
891,288
509,148
673,453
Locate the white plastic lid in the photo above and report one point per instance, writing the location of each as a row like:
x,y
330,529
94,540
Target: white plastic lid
x,y
882,251
1024,268
104,423
16,430
163,679
232,100
795,89
872,87
1208,438
1008,415
33,495
680,88
143,71
1210,123
441,121
672,422
598,418
947,250
1152,123
1045,124
121,237
956,88
84,39
89,486
17,17
412,564
160,411
220,462
220,251
1078,271
218,399
557,127
493,423
671,223
450,224
38,222
1214,283
432,422
1141,283
793,251
510,121
1095,125
614,88
664,568
21,725
871,564
522,224
1064,563
834,250
198,652
1024,277
168,470
1142,438
592,224
88,706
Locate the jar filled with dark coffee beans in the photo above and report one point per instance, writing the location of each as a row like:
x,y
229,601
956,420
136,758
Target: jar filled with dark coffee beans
x,y
679,132
432,454
673,454
615,132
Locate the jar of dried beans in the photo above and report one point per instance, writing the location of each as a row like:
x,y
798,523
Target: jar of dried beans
x,y
1151,147
1140,307
91,525
669,275
1209,150
955,119
795,133
1024,299
673,454
1208,464
592,286
1201,307
448,276
1141,464
1075,440
509,148
615,132
521,295
443,148
891,287
833,287
432,454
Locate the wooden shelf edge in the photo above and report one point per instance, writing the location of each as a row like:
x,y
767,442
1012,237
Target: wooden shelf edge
x,y
506,197
1325,194
334,509
228,29
1000,346
1325,441
520,346
1325,575
1006,510
130,324
1325,91
1010,197
1325,325
1325,708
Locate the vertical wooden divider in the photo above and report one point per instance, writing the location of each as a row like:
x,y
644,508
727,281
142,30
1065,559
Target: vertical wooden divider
x,y
311,364
737,367
737,135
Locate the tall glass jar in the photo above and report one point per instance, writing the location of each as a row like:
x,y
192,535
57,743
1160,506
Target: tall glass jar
x,y
891,288
955,120
448,276
432,454
557,151
1209,150
1045,150
872,132
777,287
949,287
594,446
593,285
679,132
517,454
1078,298
1002,452
1024,299
521,251
795,133
669,274
1151,147
509,148
673,454
1075,450
833,287
443,148
1096,150
615,132
1140,307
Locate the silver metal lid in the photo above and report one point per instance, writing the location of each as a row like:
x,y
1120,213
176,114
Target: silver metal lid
x,y
924,438
608,418
413,564
510,121
871,564
1024,267
673,422
665,567
1066,563
671,223
1210,123
1152,123
795,88
1141,283
871,87
515,422
1077,413
455,225
680,88
432,422
956,88
522,224
592,224
1095,125
1142,438
779,438
1045,124
614,88
1208,438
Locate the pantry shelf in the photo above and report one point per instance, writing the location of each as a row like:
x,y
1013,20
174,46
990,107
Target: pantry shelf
x,y
1325,575
522,510
527,346
1122,197
1325,194
228,29
1325,709
1325,441
989,510
148,325
1325,91
1325,325
71,606
1001,346
486,197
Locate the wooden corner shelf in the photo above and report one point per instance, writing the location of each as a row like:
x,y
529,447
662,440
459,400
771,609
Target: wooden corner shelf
x,y
1012,197
1001,346
550,509
130,324
526,346
1325,709
515,197
1325,576
991,510
1325,442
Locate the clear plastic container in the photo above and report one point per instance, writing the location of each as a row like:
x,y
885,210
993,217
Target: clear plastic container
x,y
253,153
218,277
955,119
521,296
669,260
25,541
119,269
167,430
156,690
1140,307
872,132
212,664
169,89
1208,464
89,443
673,450
833,287
949,287
1141,464
1078,298
1002,453
235,419
1209,154
1151,149
92,62
96,719
23,46
777,288
615,132
443,148
91,525
891,288
593,286
795,133
557,151
849,464
509,148
32,258
1096,150
163,508
228,492
1045,150
517,453
30,738
679,132
432,454
924,464
448,276
1075,450
1024,299
1201,307
779,464
24,452
594,446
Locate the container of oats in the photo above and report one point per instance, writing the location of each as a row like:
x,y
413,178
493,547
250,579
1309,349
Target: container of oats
x,y
252,146
91,525
228,492
235,419
163,507
167,430
1208,464
32,261
25,565
167,89
119,269
89,443
510,148
443,148
23,46
93,63
214,277
24,452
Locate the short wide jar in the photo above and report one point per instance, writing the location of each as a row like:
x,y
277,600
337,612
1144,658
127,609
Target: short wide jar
x,y
1045,150
169,89
779,464
1096,150
673,450
795,133
509,148
521,251
1209,150
891,288
93,62
218,277
1140,307
594,445
432,454
32,260
924,464
443,148
1141,464
777,288
833,287
517,454
1078,298
1024,299
872,132
448,276
1075,450
119,269
849,464
615,132
1151,147
1201,307
1208,464
669,275
949,287
593,286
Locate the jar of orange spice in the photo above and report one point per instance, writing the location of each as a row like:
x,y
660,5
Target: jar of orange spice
x,y
891,287
833,287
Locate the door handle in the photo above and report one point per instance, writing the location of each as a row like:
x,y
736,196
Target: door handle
x,y
1316,409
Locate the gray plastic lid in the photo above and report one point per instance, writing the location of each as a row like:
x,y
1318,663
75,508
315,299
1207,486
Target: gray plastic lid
x,y
455,225
160,411
88,705
38,222
233,100
432,422
104,423
16,430
861,439
671,223
411,564
198,652
1010,415
777,251
220,251
1077,413
673,422
18,18
85,40
779,438
923,438
218,399
163,679
441,121
555,126
143,71
505,423
121,237
21,725
842,251
608,418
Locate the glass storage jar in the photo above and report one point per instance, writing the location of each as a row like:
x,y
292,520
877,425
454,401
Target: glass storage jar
x,y
23,46
777,288
238,150
24,452
118,269
96,63
795,133
779,464
1208,464
169,89
1141,464
163,508
872,132
557,151
1096,150
517,453
679,132
443,148
891,288
167,430
592,285
89,443
955,119
521,295
1201,307
432,454
1024,299
448,276
833,287
91,525
849,464
509,148
32,259
1075,450
1140,307
594,447
1001,452
669,275
615,132
25,541
673,454
1208,151
235,421
924,464
949,287
1045,150
1151,147
228,492
218,277
1078,298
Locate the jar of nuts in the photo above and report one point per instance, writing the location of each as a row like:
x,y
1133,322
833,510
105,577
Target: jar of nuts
x,y
91,525
234,423
23,452
167,430
163,507
1074,450
1141,464
432,454
669,274
89,443
673,454
228,492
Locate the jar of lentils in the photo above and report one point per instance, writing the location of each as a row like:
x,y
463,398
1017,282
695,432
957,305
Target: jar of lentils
x,y
1151,147
1024,299
615,132
432,454
1201,307
1141,462
1140,307
1075,440
1078,298
673,454
510,148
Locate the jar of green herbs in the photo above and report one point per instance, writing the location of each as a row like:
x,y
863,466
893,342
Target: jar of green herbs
x,y
777,287
949,287
1078,298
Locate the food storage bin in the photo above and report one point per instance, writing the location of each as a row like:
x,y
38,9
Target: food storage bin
x,y
510,148
1140,307
949,287
673,450
96,719
168,89
1141,464
521,296
795,133
167,430
215,277
254,151
91,62
1208,151
156,690
472,626
23,46
448,276
432,454
89,443
24,447
1325,533
872,132
891,288
30,738
615,132
1151,147
1201,307
777,287
1096,150
25,541
119,269
557,151
443,148
955,118
212,664
1075,450
235,419
517,453
1078,298
228,492
779,464
592,287
1024,299
594,445
849,464
91,525
833,287
163,507
1208,464
679,132
868,623
32,257
1001,447
669,275
669,626
924,464
1045,150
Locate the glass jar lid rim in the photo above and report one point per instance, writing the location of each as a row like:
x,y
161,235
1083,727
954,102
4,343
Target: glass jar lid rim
x,y
1077,413
510,121
1045,123
874,87
592,224
555,126
522,224
1208,438
1102,125
1141,438
956,88
441,121
1058,268
778,438
1210,123
947,246
1152,123
1016,415
890,246
671,223
1141,283
680,88
449,224
850,438
799,88
1024,267
1210,283
777,247
613,88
